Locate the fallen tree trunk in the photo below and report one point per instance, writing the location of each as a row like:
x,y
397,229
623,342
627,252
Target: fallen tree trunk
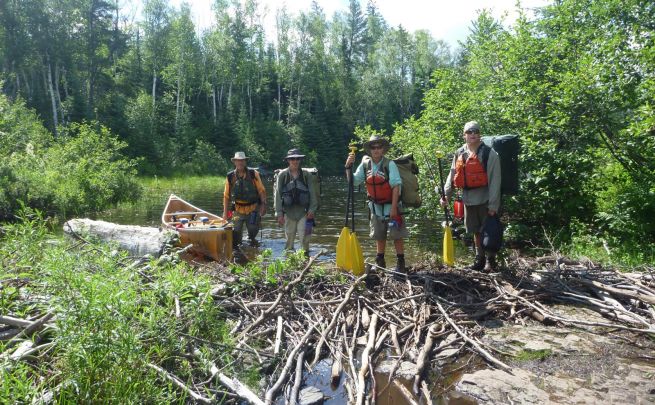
x,y
138,240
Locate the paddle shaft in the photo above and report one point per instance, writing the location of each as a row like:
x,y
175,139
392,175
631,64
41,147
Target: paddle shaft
x,y
443,193
351,199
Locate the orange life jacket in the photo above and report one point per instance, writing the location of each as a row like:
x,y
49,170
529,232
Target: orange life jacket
x,y
470,171
378,188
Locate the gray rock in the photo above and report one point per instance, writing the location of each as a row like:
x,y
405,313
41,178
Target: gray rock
x,y
310,396
406,369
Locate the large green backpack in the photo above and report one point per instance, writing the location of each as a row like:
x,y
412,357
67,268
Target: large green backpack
x,y
508,148
408,169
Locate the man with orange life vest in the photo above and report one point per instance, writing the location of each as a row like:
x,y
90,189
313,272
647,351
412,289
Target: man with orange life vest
x,y
245,197
383,186
480,183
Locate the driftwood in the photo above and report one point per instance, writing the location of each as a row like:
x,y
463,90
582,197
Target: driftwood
x,y
363,370
138,240
240,389
176,381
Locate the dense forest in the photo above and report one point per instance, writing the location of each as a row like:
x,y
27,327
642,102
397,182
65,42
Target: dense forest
x,y
92,95
177,96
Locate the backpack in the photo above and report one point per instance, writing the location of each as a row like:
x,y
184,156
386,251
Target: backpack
x,y
508,148
492,234
408,169
310,175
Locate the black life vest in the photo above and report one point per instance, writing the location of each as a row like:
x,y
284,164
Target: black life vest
x,y
243,190
294,191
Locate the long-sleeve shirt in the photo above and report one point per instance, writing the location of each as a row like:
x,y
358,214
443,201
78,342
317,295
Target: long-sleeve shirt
x,y
380,210
295,211
245,209
480,195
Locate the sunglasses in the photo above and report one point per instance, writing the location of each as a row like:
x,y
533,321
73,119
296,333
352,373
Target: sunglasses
x,y
373,147
471,132
293,158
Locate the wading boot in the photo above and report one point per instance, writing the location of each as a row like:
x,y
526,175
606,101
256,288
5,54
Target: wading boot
x,y
479,263
492,265
379,261
401,271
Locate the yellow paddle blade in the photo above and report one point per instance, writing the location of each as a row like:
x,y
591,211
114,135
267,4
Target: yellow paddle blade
x,y
343,248
356,255
448,248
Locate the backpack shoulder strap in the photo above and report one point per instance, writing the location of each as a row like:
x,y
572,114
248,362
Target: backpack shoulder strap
x,y
230,176
483,154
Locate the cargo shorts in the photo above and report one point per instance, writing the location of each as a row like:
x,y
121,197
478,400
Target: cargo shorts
x,y
474,216
379,227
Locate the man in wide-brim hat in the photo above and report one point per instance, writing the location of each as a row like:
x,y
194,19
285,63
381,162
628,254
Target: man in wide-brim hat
x,y
383,186
245,197
295,201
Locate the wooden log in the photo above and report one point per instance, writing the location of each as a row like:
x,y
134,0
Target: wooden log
x,y
240,389
8,320
270,394
178,383
278,336
363,370
618,291
477,347
335,317
138,240
423,357
336,369
293,399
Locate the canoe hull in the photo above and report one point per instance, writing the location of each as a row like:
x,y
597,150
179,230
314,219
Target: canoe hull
x,y
212,238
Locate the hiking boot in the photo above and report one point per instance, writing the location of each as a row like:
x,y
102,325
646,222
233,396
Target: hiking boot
x,y
372,279
253,242
478,265
379,261
400,265
492,265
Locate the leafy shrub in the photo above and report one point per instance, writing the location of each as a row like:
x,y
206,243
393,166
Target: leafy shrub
x,y
82,170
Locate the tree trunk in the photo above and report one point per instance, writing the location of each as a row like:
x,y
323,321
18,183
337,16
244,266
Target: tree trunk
x,y
214,103
60,107
177,100
55,119
279,101
154,88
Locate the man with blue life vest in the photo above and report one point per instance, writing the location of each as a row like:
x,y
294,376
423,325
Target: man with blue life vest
x,y
295,201
244,197
383,187
480,183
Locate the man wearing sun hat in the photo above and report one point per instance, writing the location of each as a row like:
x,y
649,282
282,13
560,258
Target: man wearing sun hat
x,y
245,197
383,186
295,200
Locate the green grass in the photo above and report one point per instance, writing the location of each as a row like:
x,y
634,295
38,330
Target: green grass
x,y
532,355
110,322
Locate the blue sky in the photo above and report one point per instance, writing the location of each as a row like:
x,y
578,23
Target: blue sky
x,y
447,20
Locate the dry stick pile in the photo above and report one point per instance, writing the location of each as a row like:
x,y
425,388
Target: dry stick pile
x,y
430,315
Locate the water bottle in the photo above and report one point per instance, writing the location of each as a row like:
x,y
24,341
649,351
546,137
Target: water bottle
x,y
252,218
309,226
393,224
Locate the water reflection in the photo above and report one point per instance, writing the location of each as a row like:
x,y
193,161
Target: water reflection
x,y
425,235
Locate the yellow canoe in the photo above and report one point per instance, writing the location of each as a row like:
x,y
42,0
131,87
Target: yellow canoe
x,y
209,234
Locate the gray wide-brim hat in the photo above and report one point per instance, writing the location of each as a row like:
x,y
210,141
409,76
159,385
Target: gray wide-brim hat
x,y
239,156
376,139
294,153
472,126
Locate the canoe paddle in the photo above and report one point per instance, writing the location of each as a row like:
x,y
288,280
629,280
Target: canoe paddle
x,y
448,247
349,251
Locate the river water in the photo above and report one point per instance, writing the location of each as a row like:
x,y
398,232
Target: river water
x,y
425,234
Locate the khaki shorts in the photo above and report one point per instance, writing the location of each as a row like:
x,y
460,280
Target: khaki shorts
x,y
379,227
474,216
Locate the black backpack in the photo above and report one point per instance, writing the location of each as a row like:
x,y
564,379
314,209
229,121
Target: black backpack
x,y
508,148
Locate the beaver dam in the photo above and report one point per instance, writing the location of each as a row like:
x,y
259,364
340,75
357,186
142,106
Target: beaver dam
x,y
544,330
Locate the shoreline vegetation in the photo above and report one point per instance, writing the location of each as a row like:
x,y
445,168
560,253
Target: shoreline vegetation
x,y
83,321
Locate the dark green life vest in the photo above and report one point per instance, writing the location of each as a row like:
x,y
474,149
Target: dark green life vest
x,y
243,190
294,191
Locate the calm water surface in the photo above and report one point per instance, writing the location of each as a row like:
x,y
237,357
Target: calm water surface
x,y
425,235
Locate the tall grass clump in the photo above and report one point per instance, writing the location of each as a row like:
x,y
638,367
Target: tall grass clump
x,y
110,321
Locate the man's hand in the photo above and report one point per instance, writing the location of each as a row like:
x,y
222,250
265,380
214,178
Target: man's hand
x,y
443,201
280,220
491,213
350,160
310,215
262,209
